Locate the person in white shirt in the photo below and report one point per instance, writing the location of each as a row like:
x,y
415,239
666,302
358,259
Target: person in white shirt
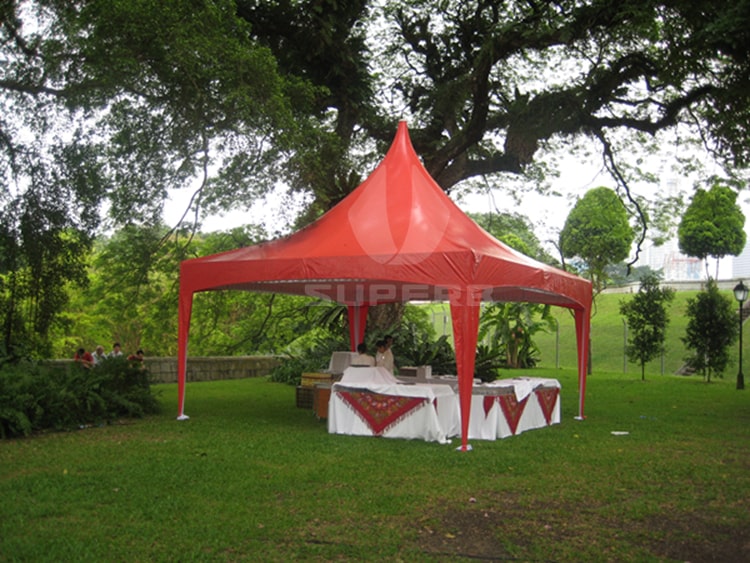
x,y
362,358
388,362
116,351
381,358
99,354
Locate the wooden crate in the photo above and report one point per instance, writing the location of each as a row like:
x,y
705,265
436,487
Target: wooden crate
x,y
305,397
321,397
311,379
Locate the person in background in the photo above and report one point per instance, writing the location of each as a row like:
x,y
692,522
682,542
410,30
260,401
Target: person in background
x,y
363,358
84,358
388,362
137,357
116,350
99,354
380,357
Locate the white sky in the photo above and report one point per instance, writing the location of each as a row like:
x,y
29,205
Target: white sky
x,y
547,213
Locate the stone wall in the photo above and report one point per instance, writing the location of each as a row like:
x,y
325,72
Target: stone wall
x,y
164,369
696,285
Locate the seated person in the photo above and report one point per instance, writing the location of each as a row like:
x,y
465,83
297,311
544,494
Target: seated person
x,y
362,358
84,358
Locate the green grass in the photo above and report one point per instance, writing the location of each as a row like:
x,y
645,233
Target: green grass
x,y
251,477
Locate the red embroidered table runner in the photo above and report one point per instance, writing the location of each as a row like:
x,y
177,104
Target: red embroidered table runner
x,y
381,412
513,409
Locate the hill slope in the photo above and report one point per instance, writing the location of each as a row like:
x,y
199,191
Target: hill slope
x,y
608,336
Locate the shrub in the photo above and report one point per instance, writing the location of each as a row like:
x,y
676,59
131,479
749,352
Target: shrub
x,y
415,347
18,405
126,388
36,397
488,361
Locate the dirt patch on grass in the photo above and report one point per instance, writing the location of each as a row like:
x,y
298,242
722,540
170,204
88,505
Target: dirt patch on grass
x,y
696,537
500,527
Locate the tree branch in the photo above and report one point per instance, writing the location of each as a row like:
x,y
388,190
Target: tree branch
x,y
609,162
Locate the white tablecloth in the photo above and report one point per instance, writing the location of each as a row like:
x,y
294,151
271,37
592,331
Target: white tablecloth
x,y
371,402
507,407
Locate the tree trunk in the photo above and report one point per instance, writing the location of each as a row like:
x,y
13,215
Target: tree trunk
x,y
384,318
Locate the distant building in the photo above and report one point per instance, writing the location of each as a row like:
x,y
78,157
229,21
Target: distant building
x,y
668,260
741,264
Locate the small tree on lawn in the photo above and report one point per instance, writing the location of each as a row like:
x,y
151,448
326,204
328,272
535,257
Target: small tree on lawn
x,y
711,329
647,318
598,232
713,225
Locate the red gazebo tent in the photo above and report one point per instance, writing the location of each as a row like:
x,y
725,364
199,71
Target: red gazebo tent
x,y
396,238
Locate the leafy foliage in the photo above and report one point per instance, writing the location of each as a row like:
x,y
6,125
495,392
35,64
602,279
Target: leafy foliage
x,y
510,328
291,367
98,105
711,329
598,232
514,230
417,348
35,397
486,89
133,294
488,361
647,321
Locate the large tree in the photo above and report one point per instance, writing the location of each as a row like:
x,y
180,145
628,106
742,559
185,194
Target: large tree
x,y
485,85
516,231
118,102
713,225
100,103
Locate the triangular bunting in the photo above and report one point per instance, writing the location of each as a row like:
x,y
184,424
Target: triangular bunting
x,y
547,398
512,409
488,400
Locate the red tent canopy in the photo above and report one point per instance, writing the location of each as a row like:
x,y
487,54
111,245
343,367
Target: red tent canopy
x,y
397,237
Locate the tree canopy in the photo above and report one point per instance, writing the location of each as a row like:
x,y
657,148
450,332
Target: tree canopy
x,y
485,87
713,225
516,231
598,232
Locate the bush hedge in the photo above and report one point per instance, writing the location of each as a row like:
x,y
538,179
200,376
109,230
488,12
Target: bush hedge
x,y
35,397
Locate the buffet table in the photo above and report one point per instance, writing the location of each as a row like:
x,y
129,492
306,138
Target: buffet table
x,y
507,407
371,402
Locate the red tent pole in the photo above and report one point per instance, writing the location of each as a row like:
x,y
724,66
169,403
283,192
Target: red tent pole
x,y
183,323
357,323
465,317
583,329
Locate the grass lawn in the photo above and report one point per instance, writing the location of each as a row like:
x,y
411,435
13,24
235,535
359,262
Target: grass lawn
x,y
251,477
